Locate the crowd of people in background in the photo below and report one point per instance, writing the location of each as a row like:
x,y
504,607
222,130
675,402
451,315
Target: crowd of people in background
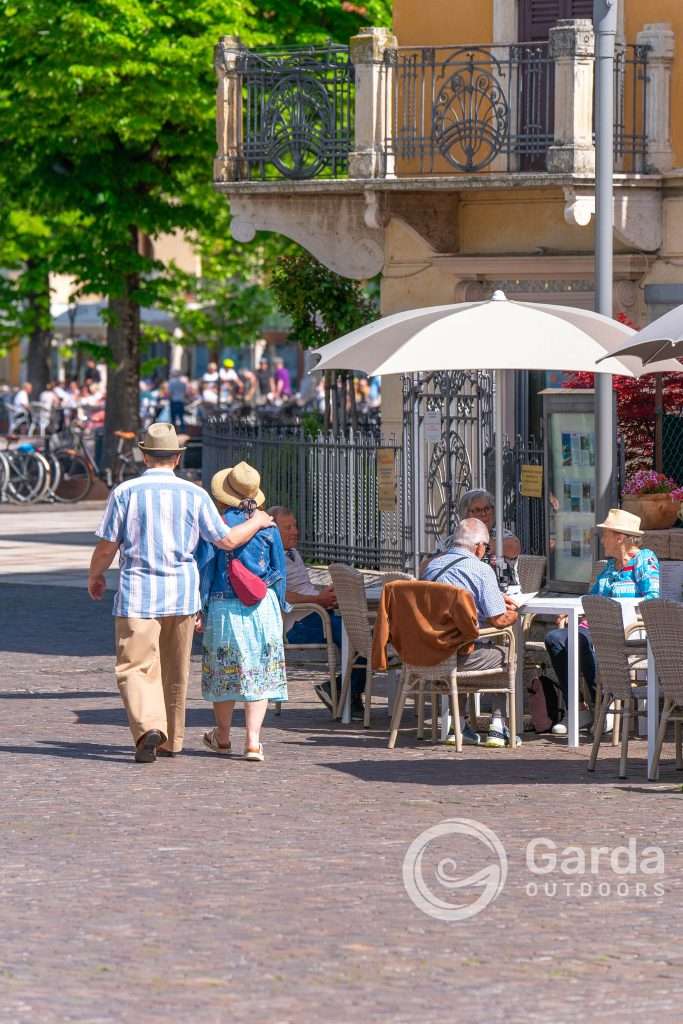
x,y
180,399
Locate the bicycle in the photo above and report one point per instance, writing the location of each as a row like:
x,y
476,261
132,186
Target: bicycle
x,y
78,469
25,474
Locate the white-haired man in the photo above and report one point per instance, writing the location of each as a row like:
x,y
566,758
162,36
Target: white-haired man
x,y
462,566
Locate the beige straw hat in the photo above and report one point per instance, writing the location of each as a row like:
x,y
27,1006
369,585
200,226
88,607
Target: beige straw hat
x,y
237,484
622,522
161,439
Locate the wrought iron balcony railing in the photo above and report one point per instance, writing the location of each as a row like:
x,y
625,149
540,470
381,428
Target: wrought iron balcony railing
x,y
319,112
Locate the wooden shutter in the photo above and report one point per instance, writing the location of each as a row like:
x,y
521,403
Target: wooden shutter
x,y
537,17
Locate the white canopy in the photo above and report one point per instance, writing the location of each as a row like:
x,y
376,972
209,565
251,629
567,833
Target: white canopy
x,y
498,334
660,343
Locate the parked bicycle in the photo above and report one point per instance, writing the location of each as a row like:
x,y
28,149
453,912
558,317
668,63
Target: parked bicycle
x,y
78,469
25,474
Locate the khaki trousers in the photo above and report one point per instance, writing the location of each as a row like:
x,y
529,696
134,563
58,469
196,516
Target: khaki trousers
x,y
152,672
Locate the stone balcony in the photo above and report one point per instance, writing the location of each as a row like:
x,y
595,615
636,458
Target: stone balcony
x,y
324,144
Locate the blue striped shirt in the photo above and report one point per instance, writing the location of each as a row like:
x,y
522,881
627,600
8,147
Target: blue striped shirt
x,y
158,520
469,573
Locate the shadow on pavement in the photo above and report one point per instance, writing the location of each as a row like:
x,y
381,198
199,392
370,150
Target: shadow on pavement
x,y
82,538
471,769
57,620
57,695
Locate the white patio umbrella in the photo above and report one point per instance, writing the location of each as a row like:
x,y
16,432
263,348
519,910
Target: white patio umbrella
x,y
661,342
498,334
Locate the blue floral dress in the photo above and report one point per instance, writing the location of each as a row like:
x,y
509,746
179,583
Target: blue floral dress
x,y
243,656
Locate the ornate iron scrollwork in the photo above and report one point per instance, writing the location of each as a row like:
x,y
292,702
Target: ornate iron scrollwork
x,y
470,120
297,111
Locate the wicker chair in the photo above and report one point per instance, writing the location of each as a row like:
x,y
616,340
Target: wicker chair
x,y
664,623
299,611
617,659
448,679
349,586
531,571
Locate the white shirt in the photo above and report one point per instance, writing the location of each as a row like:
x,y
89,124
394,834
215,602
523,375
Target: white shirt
x,y
298,578
21,400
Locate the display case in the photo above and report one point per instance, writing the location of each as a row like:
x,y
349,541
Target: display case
x,y
570,486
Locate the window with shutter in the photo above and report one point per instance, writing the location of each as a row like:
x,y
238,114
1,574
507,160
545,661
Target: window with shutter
x,y
536,17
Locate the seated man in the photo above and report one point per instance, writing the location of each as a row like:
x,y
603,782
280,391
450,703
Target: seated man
x,y
462,566
309,630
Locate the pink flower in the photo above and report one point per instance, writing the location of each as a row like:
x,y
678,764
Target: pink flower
x,y
647,481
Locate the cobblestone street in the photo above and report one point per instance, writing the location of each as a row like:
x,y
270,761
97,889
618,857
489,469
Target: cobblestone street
x,y
203,889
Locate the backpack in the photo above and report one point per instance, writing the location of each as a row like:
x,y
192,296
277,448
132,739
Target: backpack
x,y
544,703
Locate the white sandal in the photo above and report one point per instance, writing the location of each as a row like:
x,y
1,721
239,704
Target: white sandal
x,y
254,755
210,740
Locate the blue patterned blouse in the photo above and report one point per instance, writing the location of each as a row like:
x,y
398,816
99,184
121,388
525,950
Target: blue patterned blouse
x,y
638,578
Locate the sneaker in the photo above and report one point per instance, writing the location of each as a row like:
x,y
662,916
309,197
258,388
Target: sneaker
x,y
559,729
357,709
324,694
470,738
496,738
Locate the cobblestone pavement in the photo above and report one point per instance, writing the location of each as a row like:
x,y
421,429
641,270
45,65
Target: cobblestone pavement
x,y
211,890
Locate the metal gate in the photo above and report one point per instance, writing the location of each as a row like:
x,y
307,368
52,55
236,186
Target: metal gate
x,y
447,430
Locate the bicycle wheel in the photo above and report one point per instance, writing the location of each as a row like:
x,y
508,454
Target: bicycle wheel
x,y
27,477
75,477
55,469
4,474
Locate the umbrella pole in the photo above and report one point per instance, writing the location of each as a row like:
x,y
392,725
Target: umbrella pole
x,y
498,423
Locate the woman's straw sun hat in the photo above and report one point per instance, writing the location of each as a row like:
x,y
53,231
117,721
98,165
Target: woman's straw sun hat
x,y
237,484
621,521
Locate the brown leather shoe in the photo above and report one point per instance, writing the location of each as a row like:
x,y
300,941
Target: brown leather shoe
x,y
146,749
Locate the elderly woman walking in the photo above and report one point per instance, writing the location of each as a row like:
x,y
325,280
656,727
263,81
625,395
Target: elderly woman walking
x,y
243,657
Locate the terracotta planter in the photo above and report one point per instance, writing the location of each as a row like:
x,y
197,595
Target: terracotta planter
x,y
656,511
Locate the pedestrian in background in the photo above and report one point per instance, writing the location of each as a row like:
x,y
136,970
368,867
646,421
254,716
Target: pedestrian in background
x,y
154,522
177,393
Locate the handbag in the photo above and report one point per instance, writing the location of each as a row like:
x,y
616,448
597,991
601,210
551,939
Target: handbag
x,y
248,587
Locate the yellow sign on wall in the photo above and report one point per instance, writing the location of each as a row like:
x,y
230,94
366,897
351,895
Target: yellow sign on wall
x,y
386,479
531,484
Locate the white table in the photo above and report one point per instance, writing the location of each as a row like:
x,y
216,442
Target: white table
x,y
571,606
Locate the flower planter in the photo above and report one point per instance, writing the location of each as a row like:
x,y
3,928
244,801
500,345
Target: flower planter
x,y
656,511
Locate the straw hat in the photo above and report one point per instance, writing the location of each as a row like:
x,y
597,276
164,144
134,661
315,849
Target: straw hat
x,y
161,439
622,522
236,484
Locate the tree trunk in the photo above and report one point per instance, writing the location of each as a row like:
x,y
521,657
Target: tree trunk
x,y
123,378
40,338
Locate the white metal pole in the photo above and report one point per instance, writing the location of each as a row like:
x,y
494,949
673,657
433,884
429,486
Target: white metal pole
x,y
498,399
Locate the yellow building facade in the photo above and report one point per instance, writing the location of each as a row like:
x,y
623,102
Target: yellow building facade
x,y
470,160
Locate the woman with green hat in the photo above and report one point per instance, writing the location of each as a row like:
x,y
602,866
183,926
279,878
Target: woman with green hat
x,y
243,657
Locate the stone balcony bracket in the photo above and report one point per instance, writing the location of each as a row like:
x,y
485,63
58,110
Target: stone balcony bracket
x,y
637,213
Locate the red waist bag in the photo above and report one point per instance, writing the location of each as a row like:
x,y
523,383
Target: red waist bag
x,y
248,587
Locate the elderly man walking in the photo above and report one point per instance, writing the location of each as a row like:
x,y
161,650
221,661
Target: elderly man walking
x,y
155,523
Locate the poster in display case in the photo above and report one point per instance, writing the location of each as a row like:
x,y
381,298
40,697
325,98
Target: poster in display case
x,y
570,488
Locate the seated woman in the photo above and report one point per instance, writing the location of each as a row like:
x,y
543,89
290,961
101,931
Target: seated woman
x,y
631,571
479,504
243,657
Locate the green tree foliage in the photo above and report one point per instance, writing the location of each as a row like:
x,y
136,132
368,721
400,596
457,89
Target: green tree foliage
x,y
107,118
321,304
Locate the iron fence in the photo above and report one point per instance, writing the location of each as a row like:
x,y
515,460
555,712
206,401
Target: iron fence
x,y
672,447
465,107
524,516
331,483
298,111
630,108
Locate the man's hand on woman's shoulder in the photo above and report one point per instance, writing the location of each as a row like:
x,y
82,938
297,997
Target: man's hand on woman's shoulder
x,y
263,519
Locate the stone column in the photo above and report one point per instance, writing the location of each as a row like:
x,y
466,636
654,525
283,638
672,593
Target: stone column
x,y
659,38
374,87
572,48
229,164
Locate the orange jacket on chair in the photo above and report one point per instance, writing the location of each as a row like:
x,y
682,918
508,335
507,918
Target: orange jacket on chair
x,y
424,622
